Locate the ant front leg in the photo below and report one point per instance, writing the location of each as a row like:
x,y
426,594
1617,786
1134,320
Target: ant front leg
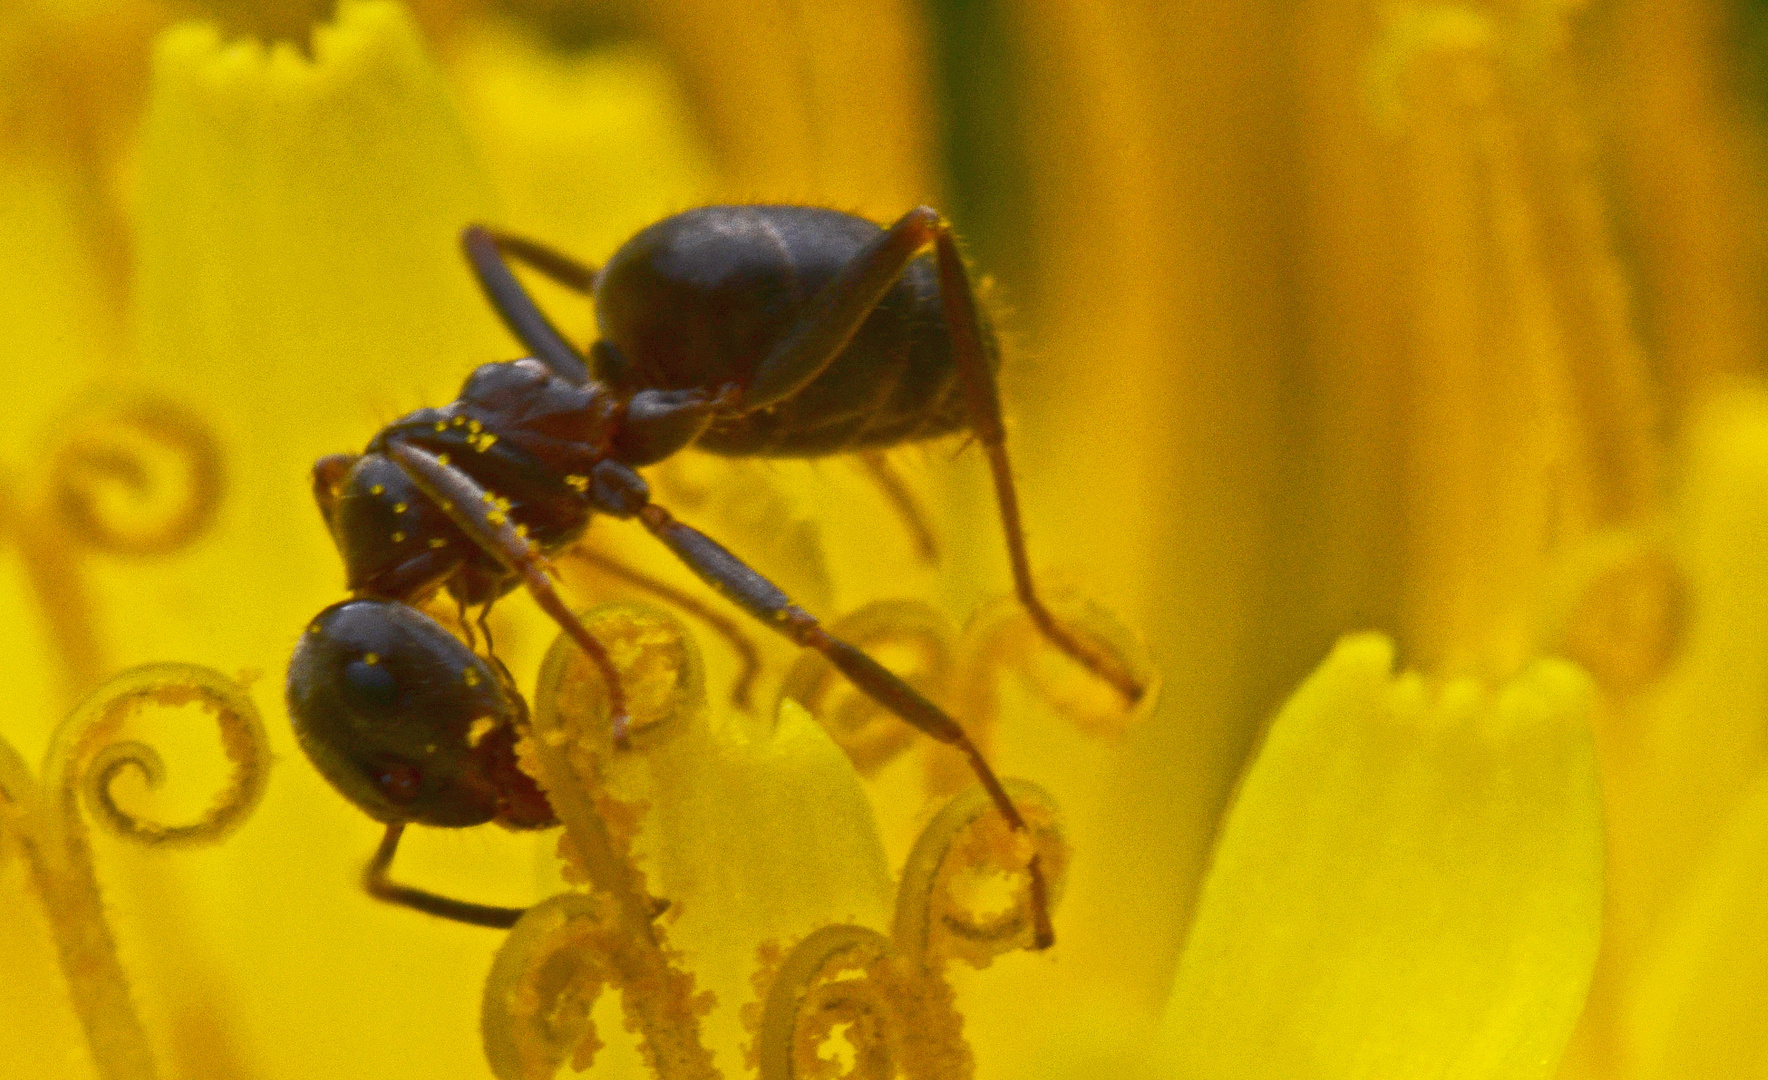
x,y
486,250
835,316
763,599
475,512
380,886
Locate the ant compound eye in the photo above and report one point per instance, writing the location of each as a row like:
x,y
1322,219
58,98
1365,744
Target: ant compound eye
x,y
401,783
403,719
373,685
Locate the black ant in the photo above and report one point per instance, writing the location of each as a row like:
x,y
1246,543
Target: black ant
x,y
787,331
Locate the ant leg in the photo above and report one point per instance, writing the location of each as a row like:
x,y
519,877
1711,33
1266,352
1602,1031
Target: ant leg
x,y
375,880
484,621
903,501
747,653
735,580
836,314
555,265
475,512
485,251
983,401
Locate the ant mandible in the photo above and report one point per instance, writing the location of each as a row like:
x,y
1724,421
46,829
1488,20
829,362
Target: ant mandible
x,y
787,331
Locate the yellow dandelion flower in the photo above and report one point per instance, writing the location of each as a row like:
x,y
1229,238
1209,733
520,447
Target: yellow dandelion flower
x,y
1320,319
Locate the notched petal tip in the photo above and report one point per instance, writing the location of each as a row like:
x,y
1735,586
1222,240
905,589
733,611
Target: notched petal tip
x,y
1411,876
294,212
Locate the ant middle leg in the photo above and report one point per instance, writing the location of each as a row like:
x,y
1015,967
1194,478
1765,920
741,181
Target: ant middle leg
x,y
983,401
903,501
748,655
555,265
738,582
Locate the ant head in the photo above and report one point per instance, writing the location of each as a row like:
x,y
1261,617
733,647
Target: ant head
x,y
407,723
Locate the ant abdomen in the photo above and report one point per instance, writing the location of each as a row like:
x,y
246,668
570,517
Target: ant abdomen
x,y
699,299
407,722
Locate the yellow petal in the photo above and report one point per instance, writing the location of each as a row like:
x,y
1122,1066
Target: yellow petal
x,y
762,842
1697,1011
298,283
818,103
1408,885
768,839
586,148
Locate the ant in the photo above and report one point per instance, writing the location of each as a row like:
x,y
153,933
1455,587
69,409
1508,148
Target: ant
x,y
787,331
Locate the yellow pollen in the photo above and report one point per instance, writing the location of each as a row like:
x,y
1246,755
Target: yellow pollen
x,y
441,425
399,508
475,427
377,490
399,538
437,541
459,420
496,517
488,497
484,442
441,459
472,679
371,658
522,530
479,728
578,483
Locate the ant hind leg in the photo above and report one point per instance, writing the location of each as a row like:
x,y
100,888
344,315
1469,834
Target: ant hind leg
x,y
835,314
983,401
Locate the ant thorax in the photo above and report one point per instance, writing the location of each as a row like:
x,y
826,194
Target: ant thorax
x,y
528,437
